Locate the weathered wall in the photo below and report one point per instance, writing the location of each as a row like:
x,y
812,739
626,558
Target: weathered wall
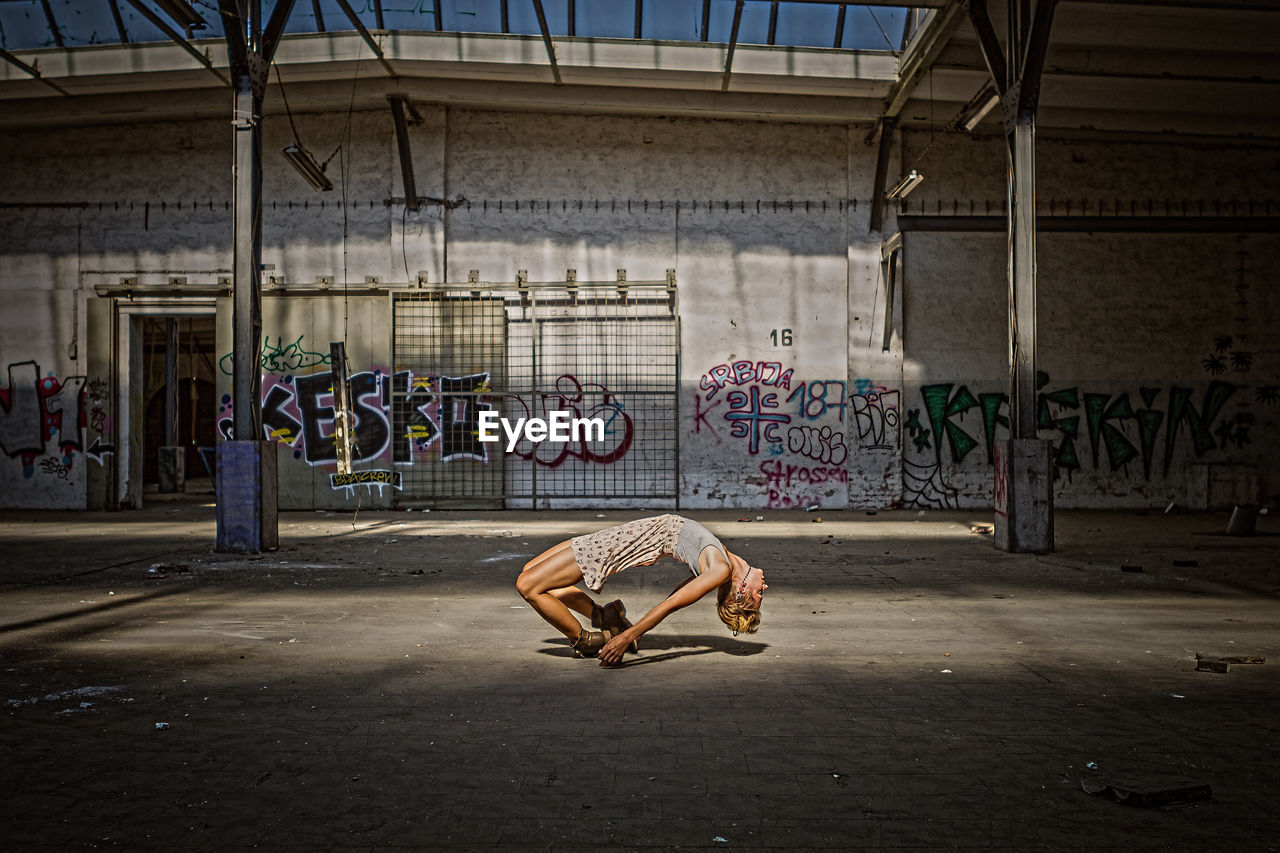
x,y
1158,350
1158,354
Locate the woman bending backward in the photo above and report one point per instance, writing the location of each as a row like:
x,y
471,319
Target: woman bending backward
x,y
549,582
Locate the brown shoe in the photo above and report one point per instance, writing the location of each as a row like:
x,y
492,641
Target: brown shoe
x,y
589,644
612,619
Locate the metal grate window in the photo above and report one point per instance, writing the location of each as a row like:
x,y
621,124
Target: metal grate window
x,y
602,354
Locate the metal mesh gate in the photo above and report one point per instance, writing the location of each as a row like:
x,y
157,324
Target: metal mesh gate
x,y
603,355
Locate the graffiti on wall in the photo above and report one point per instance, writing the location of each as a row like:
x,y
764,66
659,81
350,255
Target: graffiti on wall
x,y
280,357
580,400
1148,427
776,415
42,412
413,415
368,480
438,413
875,418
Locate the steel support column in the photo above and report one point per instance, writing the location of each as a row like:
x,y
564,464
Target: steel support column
x,y
246,481
1023,488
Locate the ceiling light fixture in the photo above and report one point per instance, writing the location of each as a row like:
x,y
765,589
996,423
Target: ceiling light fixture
x,y
311,171
976,110
905,185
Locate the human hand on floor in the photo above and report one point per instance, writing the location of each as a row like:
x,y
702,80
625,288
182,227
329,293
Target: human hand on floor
x,y
611,654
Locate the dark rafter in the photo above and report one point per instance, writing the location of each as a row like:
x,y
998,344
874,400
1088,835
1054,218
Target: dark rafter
x,y
177,38
439,16
546,40
706,18
773,22
398,105
639,18
315,9
506,17
115,14
839,39
733,43
365,34
34,72
53,23
275,29
573,18
377,14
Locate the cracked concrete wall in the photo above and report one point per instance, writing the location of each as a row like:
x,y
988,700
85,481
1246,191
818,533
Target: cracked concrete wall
x,y
790,392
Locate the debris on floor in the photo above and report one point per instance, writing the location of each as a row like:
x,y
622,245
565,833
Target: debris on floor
x,y
1223,663
1147,793
982,528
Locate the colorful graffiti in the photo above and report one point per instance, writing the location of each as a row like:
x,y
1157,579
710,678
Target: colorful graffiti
x,y
37,411
580,400
439,413
369,480
280,357
1117,430
794,486
794,422
412,414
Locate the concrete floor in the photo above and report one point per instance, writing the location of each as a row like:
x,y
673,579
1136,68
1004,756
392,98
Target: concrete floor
x,y
377,683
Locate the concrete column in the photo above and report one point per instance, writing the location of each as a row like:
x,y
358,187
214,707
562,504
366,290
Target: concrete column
x,y
1024,495
247,507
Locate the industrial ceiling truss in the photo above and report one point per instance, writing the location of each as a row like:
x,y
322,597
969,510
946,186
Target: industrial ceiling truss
x,y
1161,69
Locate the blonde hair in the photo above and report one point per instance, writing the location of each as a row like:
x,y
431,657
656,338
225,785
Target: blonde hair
x,y
738,618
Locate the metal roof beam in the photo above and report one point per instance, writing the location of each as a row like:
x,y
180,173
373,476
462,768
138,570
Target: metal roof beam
x,y
921,54
992,52
706,18
275,29
733,43
315,10
839,39
115,15
546,40
32,70
53,23
177,39
364,34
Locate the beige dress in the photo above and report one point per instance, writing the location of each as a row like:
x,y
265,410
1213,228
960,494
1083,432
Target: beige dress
x,y
640,543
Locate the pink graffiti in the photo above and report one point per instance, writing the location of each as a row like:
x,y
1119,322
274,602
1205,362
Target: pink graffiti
x,y
744,373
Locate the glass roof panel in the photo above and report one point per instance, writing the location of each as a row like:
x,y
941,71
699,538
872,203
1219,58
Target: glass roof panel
x,y
879,28
405,14
525,20
606,18
672,20
807,24
472,16
24,25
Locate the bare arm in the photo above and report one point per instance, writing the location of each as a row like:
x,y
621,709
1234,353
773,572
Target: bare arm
x,y
690,590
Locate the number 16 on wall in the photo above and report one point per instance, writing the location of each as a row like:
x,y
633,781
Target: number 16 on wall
x,y
781,337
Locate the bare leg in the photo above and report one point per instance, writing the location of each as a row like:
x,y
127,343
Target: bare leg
x,y
575,599
554,571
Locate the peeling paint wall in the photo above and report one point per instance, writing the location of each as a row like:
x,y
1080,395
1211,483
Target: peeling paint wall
x,y
1158,351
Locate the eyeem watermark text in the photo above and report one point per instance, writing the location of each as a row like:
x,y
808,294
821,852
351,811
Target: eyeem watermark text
x,y
559,428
